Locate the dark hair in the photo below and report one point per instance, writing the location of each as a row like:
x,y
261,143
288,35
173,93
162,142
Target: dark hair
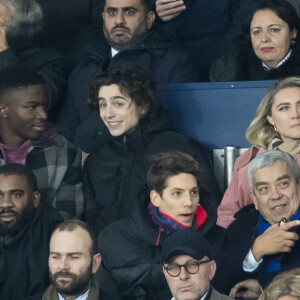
x,y
145,3
282,8
71,225
18,169
24,23
133,81
167,164
17,77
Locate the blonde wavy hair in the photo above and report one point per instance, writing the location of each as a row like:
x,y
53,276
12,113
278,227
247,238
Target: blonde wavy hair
x,y
260,132
284,284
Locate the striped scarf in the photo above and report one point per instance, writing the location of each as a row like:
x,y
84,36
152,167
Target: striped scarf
x,y
165,221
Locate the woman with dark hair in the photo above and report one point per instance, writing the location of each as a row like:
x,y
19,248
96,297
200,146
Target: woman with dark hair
x,y
268,49
135,127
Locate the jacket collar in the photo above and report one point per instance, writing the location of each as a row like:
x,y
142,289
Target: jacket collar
x,y
247,156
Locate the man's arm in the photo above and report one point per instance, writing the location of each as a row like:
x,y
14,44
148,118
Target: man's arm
x,y
3,41
70,189
236,245
61,176
249,288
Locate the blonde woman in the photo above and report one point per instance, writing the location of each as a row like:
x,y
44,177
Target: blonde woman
x,y
285,286
276,126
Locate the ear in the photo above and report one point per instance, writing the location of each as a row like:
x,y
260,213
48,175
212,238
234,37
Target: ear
x,y
212,269
142,110
270,120
36,199
150,19
155,198
298,190
96,262
103,16
3,111
254,200
294,33
165,272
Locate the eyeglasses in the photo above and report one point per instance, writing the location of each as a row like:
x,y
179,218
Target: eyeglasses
x,y
190,267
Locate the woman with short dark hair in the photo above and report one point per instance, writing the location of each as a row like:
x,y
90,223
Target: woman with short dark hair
x,y
268,49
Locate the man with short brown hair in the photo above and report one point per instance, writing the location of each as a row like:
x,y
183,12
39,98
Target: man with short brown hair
x,y
73,260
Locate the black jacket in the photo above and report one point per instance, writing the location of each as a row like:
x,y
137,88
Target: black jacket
x,y
131,251
243,64
238,239
24,257
154,53
114,175
64,20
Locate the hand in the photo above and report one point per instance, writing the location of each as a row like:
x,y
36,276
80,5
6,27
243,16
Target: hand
x,y
3,20
3,41
249,288
169,9
276,239
84,156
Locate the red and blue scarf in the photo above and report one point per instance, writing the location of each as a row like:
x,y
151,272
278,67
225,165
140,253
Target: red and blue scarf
x,y
165,221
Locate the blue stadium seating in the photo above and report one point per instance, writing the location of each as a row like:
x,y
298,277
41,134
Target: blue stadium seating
x,y
215,114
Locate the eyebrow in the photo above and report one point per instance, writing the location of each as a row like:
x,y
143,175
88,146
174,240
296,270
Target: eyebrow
x,y
123,8
16,190
287,103
68,253
37,102
114,98
267,26
286,176
180,189
275,25
12,191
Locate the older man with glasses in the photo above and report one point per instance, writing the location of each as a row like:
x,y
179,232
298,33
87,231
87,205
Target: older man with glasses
x,y
189,267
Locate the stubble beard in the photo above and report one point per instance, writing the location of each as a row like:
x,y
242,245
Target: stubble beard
x,y
22,219
126,41
77,286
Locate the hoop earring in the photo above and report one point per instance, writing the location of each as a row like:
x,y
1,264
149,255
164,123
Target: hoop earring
x,y
275,128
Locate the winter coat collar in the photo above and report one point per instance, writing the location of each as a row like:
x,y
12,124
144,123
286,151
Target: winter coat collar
x,y
248,156
137,139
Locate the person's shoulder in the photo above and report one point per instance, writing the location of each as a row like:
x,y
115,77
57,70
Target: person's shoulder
x,y
245,158
114,229
118,235
61,141
225,68
50,215
63,146
182,140
215,295
245,217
